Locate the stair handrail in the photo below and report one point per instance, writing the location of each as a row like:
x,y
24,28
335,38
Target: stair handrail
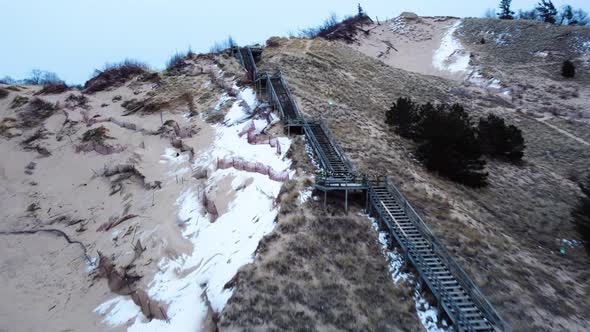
x,y
286,87
254,69
472,290
337,147
316,146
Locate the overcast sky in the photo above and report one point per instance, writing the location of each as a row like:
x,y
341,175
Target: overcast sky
x,y
73,37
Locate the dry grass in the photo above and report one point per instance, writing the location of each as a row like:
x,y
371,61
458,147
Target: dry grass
x,y
114,75
37,111
507,235
318,270
53,88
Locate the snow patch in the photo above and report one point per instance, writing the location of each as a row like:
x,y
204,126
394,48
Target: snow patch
x,y
451,56
189,282
305,195
428,314
118,310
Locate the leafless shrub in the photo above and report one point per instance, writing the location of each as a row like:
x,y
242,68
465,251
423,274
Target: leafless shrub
x,y
223,45
19,101
53,88
36,112
95,140
114,74
74,101
273,42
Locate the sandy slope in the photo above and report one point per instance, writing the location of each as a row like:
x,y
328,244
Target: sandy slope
x,y
418,44
49,280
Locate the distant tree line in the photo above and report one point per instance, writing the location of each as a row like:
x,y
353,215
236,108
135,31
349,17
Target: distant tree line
x,y
544,11
450,144
36,77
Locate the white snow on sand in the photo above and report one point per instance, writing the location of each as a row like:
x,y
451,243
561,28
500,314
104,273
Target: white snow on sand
x,y
427,313
219,248
451,56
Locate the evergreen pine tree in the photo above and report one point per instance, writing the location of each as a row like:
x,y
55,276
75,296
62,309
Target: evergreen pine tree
x,y
498,139
403,117
361,11
505,12
450,146
547,11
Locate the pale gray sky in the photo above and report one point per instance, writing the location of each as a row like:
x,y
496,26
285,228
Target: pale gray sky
x,y
73,37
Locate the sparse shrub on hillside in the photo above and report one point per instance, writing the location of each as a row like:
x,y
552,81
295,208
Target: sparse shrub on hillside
x,y
223,45
505,12
403,116
547,11
177,60
568,69
500,140
19,101
114,74
332,29
36,112
449,145
531,15
3,93
273,42
54,88
581,213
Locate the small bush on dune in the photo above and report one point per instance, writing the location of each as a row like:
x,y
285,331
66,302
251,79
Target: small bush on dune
x,y
114,74
223,45
498,139
54,88
3,93
568,69
36,112
332,29
177,60
581,213
19,101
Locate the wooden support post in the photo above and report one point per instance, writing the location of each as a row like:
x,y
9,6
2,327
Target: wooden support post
x,y
367,202
346,201
325,197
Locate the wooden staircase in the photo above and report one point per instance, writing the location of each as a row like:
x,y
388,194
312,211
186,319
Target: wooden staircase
x,y
331,159
432,267
456,294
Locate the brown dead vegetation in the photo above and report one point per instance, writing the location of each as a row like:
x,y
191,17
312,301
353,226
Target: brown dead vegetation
x,y
318,270
73,101
37,111
95,140
506,236
53,88
19,101
114,76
